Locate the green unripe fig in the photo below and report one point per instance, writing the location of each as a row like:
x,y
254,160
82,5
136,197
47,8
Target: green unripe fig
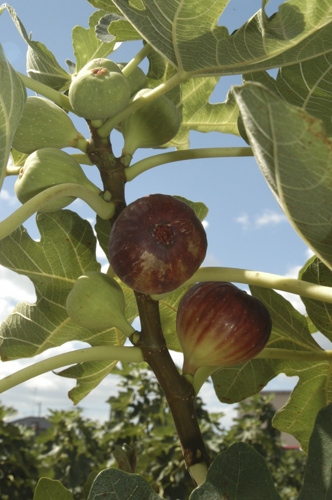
x,y
97,302
49,167
152,125
98,93
137,79
43,124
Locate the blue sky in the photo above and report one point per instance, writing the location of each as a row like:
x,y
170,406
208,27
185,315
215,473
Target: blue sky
x,y
245,226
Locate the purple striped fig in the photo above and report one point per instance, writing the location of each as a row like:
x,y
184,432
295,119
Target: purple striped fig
x,y
220,325
156,244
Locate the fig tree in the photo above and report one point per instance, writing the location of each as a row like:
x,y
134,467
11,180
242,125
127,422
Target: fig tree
x,y
49,167
97,93
218,324
43,124
156,244
152,125
96,302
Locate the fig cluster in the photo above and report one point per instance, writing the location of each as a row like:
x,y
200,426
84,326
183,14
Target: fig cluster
x,y
156,244
220,325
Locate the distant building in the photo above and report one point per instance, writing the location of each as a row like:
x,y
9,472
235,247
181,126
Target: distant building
x,y
39,424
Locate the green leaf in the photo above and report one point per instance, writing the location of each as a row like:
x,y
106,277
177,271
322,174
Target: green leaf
x,y
294,155
239,473
112,483
89,374
13,96
41,63
49,489
317,479
306,85
87,45
319,312
290,332
65,251
115,26
103,230
187,34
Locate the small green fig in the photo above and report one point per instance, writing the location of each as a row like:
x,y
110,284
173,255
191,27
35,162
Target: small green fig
x,y
96,302
137,79
218,324
49,167
152,125
98,93
43,124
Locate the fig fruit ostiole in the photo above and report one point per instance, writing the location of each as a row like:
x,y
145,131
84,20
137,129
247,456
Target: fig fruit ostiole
x,y
49,167
156,244
152,125
97,93
96,302
218,324
44,124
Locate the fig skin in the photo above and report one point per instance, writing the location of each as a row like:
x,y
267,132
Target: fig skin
x,y
102,62
156,244
49,167
137,79
151,126
98,93
43,124
218,324
97,302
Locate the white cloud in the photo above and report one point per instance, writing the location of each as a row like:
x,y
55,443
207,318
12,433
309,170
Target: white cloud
x,y
8,198
205,224
268,218
243,220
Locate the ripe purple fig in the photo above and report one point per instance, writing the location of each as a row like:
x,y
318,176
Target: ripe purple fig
x,y
218,324
156,244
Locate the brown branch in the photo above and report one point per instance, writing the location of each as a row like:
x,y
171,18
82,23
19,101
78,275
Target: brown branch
x,y
179,392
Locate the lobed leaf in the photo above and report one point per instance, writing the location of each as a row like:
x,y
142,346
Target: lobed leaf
x,y
317,478
87,45
41,63
187,34
238,473
12,99
290,332
294,154
52,490
114,483
306,85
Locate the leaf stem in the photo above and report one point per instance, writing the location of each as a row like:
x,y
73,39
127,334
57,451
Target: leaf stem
x,y
99,353
104,209
82,158
129,68
189,154
40,88
265,280
108,126
13,170
203,373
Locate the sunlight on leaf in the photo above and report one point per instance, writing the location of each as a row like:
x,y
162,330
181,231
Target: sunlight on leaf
x,y
187,34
